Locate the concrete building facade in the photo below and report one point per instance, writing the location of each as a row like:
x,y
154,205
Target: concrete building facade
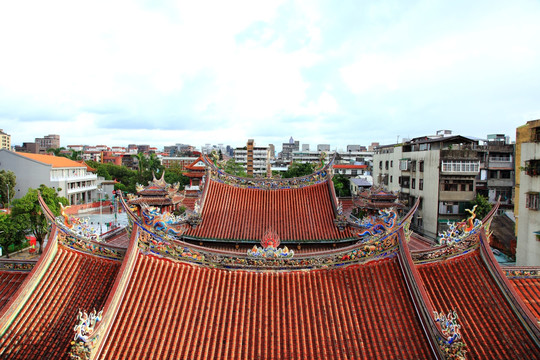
x,y
527,200
5,140
70,178
441,171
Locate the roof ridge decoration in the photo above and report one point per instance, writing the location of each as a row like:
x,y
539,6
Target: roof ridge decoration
x,y
452,347
76,237
81,346
522,272
319,176
165,223
76,225
460,238
269,249
376,225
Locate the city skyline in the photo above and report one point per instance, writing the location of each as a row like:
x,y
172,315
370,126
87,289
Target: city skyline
x,y
349,74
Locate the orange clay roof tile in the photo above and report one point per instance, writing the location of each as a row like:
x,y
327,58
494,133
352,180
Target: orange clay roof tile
x,y
55,161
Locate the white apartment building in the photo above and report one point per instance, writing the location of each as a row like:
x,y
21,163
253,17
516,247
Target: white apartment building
x,y
441,171
68,177
255,159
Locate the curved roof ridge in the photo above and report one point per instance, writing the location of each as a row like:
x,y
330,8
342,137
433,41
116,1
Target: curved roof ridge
x,y
319,176
78,242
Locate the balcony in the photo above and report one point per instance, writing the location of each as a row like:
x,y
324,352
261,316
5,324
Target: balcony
x,y
81,189
75,178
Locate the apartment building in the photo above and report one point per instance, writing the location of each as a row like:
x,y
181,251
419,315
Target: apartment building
x,y
440,170
255,159
5,140
527,199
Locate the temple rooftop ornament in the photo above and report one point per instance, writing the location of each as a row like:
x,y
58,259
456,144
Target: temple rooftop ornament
x,y
269,249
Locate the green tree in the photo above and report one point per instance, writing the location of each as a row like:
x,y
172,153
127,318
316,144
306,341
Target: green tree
x,y
234,168
56,151
75,155
483,207
297,169
12,232
7,186
342,185
174,174
30,213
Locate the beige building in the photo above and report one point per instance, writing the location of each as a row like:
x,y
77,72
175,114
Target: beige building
x,y
5,140
440,170
527,199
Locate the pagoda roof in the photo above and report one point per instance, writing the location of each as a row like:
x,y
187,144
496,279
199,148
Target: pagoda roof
x,y
199,164
10,281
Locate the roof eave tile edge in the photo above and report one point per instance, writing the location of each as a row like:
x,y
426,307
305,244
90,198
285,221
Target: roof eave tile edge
x,y
422,303
525,316
19,299
116,295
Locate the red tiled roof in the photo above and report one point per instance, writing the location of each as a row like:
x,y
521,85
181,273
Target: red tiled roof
x,y
44,326
488,325
529,291
296,215
9,283
172,310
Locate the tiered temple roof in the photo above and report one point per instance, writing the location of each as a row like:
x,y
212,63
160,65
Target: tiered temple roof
x,y
374,298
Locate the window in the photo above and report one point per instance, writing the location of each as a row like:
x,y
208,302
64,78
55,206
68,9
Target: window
x,y
420,203
532,167
380,165
421,165
413,165
460,166
413,183
505,174
391,163
404,165
404,181
421,184
532,201
386,165
391,178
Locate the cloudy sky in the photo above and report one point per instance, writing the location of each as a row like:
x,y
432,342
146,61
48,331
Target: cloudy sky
x,y
339,72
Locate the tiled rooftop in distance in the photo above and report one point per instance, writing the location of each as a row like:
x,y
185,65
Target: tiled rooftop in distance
x,y
296,215
173,310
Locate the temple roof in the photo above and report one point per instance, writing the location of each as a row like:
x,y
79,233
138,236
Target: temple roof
x,y
244,214
178,311
43,327
10,282
488,323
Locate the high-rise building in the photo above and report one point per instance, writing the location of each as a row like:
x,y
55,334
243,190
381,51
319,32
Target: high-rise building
x,y
254,159
527,199
5,140
289,148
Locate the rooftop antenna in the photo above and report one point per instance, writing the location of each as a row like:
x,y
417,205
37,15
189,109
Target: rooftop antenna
x,y
397,141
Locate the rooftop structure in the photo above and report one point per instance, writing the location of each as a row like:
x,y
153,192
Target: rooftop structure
x,y
172,299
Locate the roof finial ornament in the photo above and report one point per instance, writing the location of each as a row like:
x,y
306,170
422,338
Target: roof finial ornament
x,y
81,347
452,345
270,242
